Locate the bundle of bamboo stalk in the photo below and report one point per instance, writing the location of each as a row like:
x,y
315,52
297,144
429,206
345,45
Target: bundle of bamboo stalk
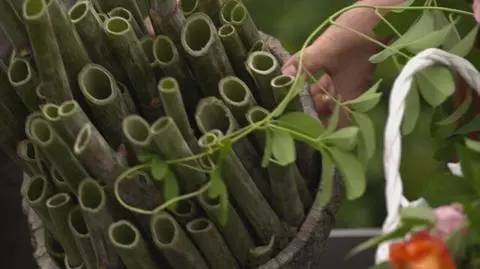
x,y
116,128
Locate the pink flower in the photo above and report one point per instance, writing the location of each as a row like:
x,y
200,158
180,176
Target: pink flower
x,y
450,218
476,10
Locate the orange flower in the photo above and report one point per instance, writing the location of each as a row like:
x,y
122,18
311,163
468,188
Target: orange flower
x,y
421,251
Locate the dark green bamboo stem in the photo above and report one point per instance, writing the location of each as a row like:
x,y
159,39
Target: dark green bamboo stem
x,y
213,114
57,180
97,216
226,11
38,191
173,65
174,107
281,86
103,17
131,55
167,19
105,101
260,45
212,9
206,53
174,244
10,99
209,241
185,211
50,113
236,52
237,96
42,94
256,114
127,98
262,254
131,247
46,51
234,231
126,14
54,248
68,265
240,185
28,122
58,207
12,25
189,7
26,153
24,80
137,132
130,5
172,145
58,152
243,22
147,46
74,54
263,67
72,117
89,26
144,7
82,238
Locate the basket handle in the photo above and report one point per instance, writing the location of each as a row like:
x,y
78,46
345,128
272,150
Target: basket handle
x,y
393,138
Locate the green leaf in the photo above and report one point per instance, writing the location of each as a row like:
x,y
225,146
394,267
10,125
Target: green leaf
x,y
159,169
283,147
367,100
431,40
472,144
424,25
352,172
223,217
469,160
412,110
224,151
326,189
457,244
383,265
267,153
459,113
302,123
470,127
436,84
345,138
145,157
464,46
333,120
215,188
400,232
171,189
421,215
367,132
402,21
299,86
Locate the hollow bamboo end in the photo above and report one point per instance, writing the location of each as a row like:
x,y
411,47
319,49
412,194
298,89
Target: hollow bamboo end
x,y
26,150
226,10
147,46
83,139
238,13
199,225
117,26
189,6
121,12
68,108
164,50
162,125
212,114
168,85
209,202
58,200
37,189
124,234
262,62
256,114
41,131
76,223
184,208
91,196
56,177
198,34
259,45
28,122
207,140
19,72
54,248
282,81
79,11
234,91
137,130
34,9
164,230
50,112
70,266
97,84
226,30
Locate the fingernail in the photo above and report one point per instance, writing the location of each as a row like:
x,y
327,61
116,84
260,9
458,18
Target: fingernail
x,y
290,70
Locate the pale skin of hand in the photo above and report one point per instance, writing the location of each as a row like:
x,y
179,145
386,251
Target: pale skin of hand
x,y
343,55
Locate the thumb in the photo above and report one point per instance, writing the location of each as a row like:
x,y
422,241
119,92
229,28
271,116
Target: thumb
x,y
312,60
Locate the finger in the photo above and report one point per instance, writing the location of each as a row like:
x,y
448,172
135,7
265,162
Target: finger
x,y
312,60
322,92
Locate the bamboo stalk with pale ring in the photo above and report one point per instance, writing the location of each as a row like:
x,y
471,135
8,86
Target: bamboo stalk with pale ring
x,y
82,238
24,80
126,14
263,67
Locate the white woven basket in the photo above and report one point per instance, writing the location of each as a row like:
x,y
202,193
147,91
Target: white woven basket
x,y
393,138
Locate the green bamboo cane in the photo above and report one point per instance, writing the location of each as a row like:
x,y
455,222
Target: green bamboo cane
x,y
262,254
58,207
174,244
127,98
130,5
174,107
264,67
167,19
38,191
281,86
54,248
129,244
82,238
257,114
50,113
12,25
28,122
211,244
233,230
173,65
57,180
126,14
256,209
72,117
10,99
189,7
206,53
243,22
260,45
89,25
147,43
24,80
46,51
137,132
26,153
172,145
130,53
144,7
98,217
226,11
185,211
236,52
68,265
103,17
42,94
213,114
17,7
105,101
212,9
58,152
237,96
